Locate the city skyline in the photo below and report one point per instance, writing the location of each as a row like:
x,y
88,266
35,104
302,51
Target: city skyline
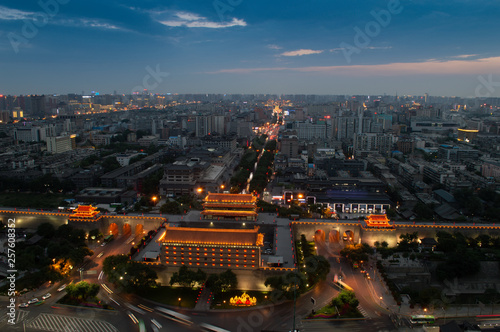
x,y
391,47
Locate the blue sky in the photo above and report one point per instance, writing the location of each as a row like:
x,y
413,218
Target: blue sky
x,y
243,46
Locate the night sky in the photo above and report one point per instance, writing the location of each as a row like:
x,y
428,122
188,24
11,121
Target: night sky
x,y
443,47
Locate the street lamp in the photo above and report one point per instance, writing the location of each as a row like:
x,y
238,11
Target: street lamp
x,y
179,301
381,298
154,200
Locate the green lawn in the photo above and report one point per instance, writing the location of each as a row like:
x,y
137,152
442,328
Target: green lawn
x,y
35,201
218,300
170,296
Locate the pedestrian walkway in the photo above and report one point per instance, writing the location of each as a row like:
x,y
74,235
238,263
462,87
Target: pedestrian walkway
x,y
363,312
59,323
20,315
203,303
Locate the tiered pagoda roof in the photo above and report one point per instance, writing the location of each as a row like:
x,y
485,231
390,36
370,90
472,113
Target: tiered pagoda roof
x,y
230,206
85,213
378,220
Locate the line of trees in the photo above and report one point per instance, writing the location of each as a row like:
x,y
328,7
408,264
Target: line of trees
x,y
312,269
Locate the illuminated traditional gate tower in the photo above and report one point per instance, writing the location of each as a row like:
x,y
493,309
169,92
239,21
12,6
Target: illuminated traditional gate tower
x,y
230,207
85,213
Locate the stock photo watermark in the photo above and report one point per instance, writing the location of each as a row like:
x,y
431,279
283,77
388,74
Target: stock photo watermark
x,y
224,6
151,80
11,277
363,38
30,28
486,84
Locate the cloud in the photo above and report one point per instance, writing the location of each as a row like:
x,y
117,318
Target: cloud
x,y
87,23
14,14
191,20
274,47
464,56
378,47
339,49
301,52
433,67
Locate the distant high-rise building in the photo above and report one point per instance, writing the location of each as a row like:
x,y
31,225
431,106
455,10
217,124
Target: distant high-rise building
x,y
37,106
60,144
203,125
290,146
4,116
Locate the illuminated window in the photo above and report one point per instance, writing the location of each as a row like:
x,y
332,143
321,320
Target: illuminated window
x,y
253,256
213,249
197,258
229,250
206,249
237,265
189,248
253,265
245,250
253,250
221,260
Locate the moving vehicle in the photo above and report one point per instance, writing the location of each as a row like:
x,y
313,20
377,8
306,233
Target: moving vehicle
x,y
108,238
422,319
33,300
61,288
23,305
46,296
343,285
174,315
210,328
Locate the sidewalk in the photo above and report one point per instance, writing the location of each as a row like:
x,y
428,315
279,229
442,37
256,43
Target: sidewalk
x,y
203,303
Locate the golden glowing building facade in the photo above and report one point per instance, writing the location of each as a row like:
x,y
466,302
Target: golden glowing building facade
x,y
230,206
211,248
85,213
